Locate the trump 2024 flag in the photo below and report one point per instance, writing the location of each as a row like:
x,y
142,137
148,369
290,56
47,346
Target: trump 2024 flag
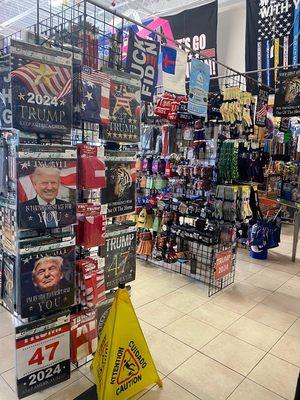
x,y
174,62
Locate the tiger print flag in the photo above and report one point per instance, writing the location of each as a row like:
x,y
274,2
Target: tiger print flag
x,y
287,96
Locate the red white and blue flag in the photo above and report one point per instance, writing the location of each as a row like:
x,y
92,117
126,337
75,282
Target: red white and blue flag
x,y
174,65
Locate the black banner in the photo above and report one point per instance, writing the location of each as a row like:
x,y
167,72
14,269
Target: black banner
x,y
119,194
42,354
272,37
120,258
261,108
142,60
46,278
197,28
124,110
41,81
287,95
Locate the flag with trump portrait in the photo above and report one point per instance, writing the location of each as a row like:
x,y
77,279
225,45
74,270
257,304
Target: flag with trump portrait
x,y
41,83
46,187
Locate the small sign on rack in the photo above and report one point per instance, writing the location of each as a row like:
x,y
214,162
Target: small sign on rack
x,y
223,264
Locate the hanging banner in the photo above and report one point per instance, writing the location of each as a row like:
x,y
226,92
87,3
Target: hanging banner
x,y
45,278
262,107
142,60
5,93
119,194
42,354
174,62
199,86
287,95
124,109
41,81
196,27
120,257
123,366
46,187
272,37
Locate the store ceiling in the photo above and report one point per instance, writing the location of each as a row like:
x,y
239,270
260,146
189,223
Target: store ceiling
x,y
19,14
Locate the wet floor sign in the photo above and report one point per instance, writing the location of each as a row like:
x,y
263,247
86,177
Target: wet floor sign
x,y
123,365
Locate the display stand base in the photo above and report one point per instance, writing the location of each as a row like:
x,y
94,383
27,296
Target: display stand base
x,y
90,394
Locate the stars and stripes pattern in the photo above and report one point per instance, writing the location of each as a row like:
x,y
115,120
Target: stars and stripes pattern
x,y
92,78
277,37
44,79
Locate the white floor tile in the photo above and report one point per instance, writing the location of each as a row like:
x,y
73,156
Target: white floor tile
x,y
233,353
206,378
191,331
158,314
271,317
255,333
183,301
288,348
249,390
169,391
214,315
276,375
167,352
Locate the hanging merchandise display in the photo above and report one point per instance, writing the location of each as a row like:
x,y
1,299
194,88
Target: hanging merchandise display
x,y
41,82
84,335
261,107
124,109
287,103
119,195
271,43
119,253
174,69
46,186
198,89
45,277
142,60
42,354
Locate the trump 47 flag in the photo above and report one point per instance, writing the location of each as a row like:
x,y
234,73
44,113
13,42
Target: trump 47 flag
x,y
174,64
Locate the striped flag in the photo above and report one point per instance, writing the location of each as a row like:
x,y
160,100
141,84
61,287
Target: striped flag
x,y
45,79
92,80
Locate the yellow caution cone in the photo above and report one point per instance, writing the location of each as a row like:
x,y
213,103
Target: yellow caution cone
x,y
123,365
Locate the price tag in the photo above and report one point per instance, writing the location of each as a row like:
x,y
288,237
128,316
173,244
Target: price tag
x,y
42,354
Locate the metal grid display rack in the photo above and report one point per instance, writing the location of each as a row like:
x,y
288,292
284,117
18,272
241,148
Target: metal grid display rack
x,y
99,35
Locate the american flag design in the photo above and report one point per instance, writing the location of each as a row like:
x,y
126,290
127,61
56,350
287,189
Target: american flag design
x,y
45,79
41,84
262,107
94,100
272,37
124,110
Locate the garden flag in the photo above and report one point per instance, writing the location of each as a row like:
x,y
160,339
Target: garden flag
x,y
174,65
199,86
142,60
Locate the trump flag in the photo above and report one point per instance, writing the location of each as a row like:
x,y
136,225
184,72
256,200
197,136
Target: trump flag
x,y
174,63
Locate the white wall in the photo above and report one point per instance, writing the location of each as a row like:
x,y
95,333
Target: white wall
x,y
231,33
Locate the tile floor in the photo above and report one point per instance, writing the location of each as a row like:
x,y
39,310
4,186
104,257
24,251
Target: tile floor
x,y
242,344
